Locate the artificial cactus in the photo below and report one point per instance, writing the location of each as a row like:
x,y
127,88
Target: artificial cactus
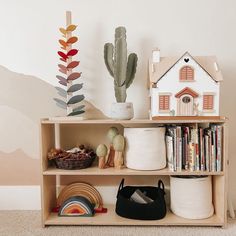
x,y
121,69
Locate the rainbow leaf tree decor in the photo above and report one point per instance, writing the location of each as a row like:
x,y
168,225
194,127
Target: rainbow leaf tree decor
x,y
70,101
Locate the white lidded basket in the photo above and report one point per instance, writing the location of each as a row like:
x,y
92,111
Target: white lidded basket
x,y
145,148
191,196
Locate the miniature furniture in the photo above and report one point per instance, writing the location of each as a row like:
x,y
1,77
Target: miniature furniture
x,y
69,133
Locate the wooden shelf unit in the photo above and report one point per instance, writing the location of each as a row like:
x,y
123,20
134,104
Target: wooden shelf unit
x,y
73,131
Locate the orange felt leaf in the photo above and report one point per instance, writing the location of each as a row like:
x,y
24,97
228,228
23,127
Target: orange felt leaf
x,y
73,64
72,40
74,76
71,28
63,43
63,48
62,30
72,52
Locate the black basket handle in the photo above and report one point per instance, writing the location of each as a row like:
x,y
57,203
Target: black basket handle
x,y
161,185
120,186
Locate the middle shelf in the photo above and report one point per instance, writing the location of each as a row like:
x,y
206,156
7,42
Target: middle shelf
x,y
94,170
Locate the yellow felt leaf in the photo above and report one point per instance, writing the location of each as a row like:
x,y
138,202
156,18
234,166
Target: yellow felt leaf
x,y
62,30
71,28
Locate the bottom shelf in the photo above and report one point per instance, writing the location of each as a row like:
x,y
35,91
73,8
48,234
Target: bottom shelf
x,y
111,218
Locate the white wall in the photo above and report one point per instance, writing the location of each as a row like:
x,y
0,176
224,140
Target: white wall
x,y
29,35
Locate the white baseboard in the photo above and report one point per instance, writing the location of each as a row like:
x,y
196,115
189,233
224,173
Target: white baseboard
x,y
20,198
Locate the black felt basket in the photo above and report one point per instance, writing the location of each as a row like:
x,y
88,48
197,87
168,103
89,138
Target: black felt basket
x,y
151,211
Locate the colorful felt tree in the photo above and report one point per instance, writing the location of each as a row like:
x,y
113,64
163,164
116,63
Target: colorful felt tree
x,y
70,101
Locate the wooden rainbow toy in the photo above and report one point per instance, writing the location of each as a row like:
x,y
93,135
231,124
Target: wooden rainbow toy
x,y
76,206
81,189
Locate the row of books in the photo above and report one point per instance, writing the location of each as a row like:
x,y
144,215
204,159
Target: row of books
x,y
194,149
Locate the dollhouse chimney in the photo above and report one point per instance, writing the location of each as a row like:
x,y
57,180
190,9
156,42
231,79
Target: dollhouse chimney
x,y
156,55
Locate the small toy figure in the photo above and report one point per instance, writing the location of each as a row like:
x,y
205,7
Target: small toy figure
x,y
101,153
115,154
119,145
112,132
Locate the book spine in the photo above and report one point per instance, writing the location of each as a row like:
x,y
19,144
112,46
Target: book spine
x,y
179,148
197,162
219,149
175,150
206,148
213,153
170,152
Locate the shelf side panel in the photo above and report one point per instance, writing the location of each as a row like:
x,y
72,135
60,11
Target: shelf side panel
x,y
48,194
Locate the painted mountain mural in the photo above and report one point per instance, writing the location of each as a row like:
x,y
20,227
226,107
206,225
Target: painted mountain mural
x,y
24,100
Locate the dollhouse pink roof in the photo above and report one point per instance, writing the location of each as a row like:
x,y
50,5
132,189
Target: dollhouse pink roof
x,y
207,63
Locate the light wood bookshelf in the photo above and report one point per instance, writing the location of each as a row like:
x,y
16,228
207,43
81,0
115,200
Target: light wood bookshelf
x,y
71,132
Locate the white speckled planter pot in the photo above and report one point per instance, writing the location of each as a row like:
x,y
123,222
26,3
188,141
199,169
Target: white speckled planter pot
x,y
122,111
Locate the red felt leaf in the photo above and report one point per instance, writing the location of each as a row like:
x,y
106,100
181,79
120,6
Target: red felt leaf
x,y
62,59
73,64
72,52
72,40
74,76
63,71
63,43
62,54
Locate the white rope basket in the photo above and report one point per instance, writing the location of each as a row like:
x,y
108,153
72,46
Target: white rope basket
x,y
191,197
145,148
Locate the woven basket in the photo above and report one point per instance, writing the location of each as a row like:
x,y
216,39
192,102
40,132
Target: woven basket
x,y
71,164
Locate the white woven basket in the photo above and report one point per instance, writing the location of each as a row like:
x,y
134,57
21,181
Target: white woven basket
x,y
191,198
145,148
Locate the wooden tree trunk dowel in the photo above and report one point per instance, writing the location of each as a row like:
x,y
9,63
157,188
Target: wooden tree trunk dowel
x,y
110,159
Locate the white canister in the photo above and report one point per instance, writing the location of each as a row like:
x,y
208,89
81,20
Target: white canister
x,y
145,148
191,197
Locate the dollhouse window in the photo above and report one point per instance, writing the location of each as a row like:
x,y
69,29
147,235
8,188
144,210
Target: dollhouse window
x,y
208,101
186,73
164,102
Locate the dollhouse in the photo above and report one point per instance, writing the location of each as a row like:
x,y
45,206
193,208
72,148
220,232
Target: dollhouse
x,y
184,86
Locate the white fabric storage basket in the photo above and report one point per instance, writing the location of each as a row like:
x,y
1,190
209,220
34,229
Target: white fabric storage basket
x,y
191,197
145,148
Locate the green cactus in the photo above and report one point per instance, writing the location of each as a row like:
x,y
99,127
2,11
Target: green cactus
x,y
120,69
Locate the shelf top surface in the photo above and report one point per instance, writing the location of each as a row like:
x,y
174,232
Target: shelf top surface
x,y
94,170
157,120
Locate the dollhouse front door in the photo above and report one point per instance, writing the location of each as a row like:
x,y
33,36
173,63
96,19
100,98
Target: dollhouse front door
x,y
185,105
185,100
